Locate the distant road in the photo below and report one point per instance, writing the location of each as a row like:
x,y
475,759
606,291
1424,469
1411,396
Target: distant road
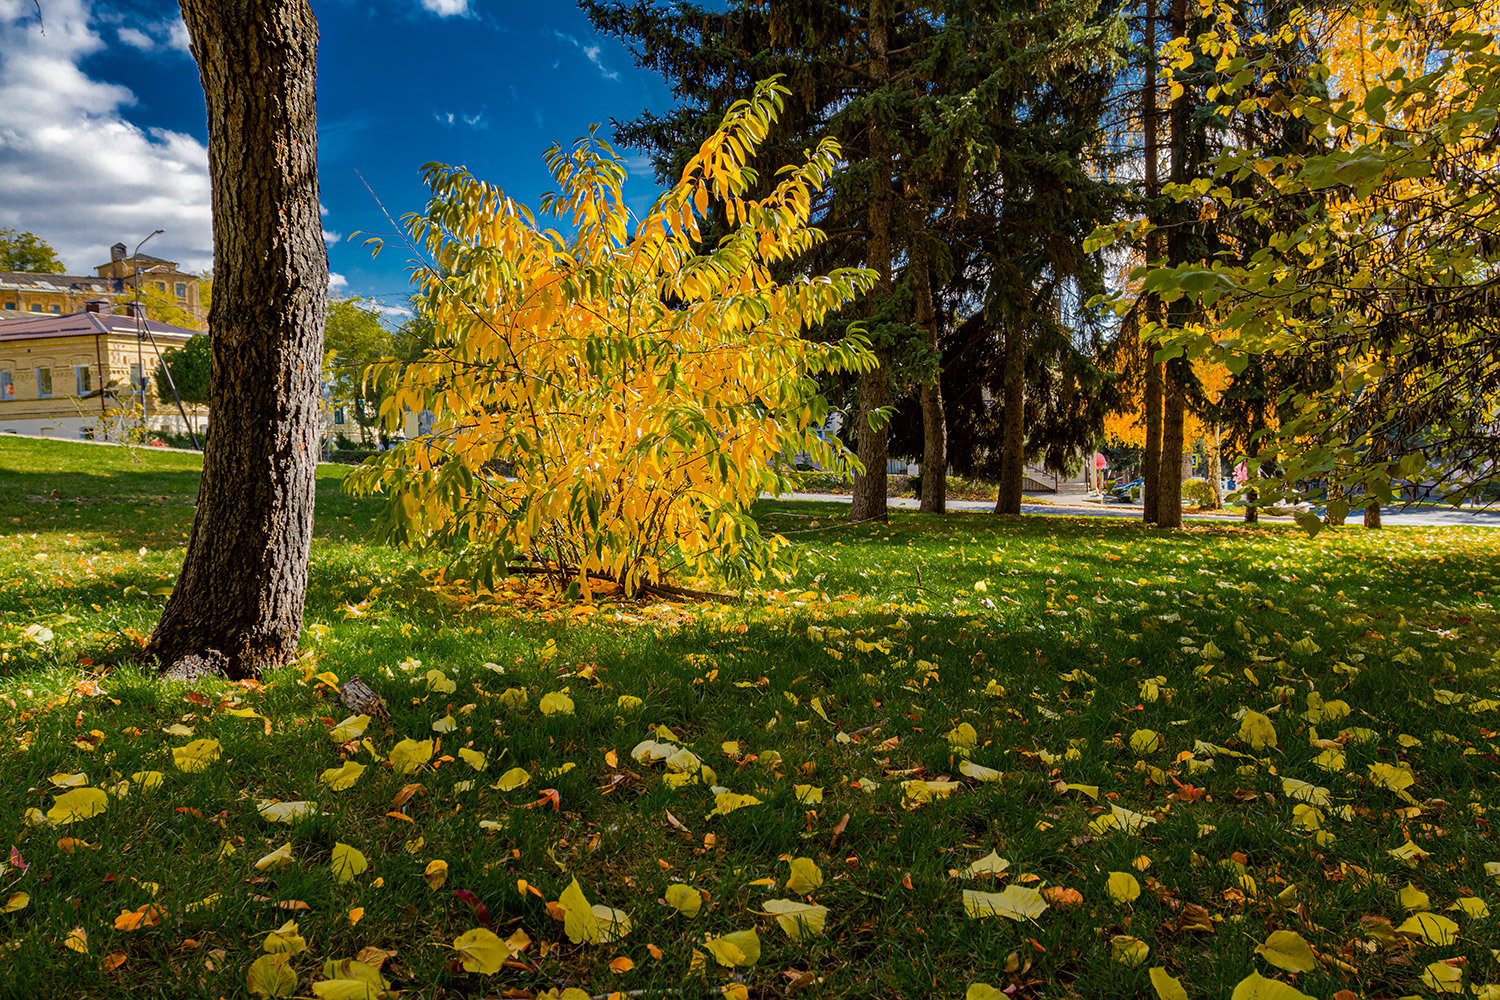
x,y
1418,516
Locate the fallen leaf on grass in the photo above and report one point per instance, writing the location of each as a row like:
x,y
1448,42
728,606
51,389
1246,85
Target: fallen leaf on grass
x,y
481,951
798,920
1288,950
271,976
1015,903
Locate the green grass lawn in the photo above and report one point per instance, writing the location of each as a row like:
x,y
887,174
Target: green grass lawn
x,y
1066,658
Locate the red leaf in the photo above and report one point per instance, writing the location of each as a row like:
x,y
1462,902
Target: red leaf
x,y
481,912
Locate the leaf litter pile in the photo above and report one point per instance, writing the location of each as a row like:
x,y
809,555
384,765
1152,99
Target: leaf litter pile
x,y
955,758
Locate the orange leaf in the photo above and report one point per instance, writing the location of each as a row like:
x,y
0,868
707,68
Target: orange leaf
x,y
621,965
656,952
113,961
400,815
612,759
356,915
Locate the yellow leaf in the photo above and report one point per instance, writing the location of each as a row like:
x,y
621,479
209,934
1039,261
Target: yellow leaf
x,y
1440,977
1408,854
1412,898
556,703
17,901
685,899
481,951
351,728
347,862
271,976
285,940
1145,741
1288,950
727,802
805,875
1123,887
984,991
1471,905
1256,729
79,804
340,778
1434,928
736,948
991,864
1166,987
77,940
515,778
1128,950
473,758
147,781
66,780
195,756
281,856
409,755
963,737
1015,903
798,920
445,725
969,769
1257,987
808,795
286,812
436,874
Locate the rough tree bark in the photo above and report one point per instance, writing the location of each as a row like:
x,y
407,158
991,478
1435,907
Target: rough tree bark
x,y
934,421
237,606
870,486
1013,439
1169,479
1151,394
1372,514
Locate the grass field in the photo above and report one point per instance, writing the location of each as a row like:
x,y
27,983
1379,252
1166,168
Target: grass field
x,y
1065,693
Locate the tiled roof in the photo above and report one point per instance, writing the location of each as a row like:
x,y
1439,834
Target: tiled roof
x,y
74,283
86,324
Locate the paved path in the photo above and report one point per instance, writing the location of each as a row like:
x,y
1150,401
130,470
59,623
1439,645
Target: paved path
x,y
1076,506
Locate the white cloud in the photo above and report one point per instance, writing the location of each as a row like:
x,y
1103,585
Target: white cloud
x,y
641,165
448,119
336,282
590,52
447,8
330,237
73,168
169,35
137,39
386,310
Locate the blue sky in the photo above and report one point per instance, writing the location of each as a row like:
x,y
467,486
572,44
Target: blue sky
x,y
102,124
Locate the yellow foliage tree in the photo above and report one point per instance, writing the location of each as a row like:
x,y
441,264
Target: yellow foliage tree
x,y
609,404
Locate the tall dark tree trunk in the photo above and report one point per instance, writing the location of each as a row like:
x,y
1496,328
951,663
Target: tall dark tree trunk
x,y
237,606
934,421
1372,514
1151,459
1174,417
1013,438
1151,394
870,486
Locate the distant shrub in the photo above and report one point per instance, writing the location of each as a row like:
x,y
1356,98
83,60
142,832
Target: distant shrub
x,y
1200,492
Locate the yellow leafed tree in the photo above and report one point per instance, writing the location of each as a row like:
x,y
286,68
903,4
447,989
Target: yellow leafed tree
x,y
608,404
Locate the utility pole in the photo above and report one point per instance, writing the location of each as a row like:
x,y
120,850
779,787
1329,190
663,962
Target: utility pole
x,y
140,330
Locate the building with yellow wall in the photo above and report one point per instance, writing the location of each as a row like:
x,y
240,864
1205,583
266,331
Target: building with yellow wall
x,y
168,293
82,375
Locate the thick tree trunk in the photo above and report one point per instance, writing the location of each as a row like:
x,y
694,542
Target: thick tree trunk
x,y
870,489
1151,459
237,606
934,421
1372,514
1215,466
1013,440
1169,480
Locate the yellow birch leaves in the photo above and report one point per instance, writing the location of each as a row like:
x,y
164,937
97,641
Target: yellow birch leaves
x,y
608,404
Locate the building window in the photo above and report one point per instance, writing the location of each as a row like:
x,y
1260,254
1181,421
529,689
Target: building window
x,y
43,382
181,290
84,376
161,286
7,386
56,310
85,433
136,382
10,305
36,307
